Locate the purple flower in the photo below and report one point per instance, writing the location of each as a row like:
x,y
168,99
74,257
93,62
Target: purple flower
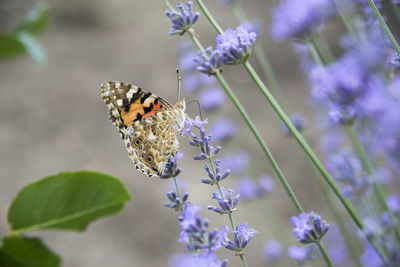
x,y
242,235
194,231
297,19
225,201
342,85
396,61
297,253
248,188
209,61
309,227
236,162
393,202
183,20
298,122
176,202
223,129
171,167
217,177
236,45
347,170
211,98
336,246
198,260
272,250
370,258
253,26
207,151
266,183
302,228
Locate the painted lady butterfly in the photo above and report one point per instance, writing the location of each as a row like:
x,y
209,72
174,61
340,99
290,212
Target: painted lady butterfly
x,y
148,124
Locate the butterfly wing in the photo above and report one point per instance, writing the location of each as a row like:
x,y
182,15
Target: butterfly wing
x,y
146,124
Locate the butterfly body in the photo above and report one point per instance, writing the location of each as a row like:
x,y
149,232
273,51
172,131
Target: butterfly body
x,y
148,124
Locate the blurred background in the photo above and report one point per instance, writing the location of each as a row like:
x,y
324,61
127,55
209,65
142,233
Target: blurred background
x,y
53,119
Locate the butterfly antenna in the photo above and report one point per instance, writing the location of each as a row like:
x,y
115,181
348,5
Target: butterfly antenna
x,y
198,105
179,78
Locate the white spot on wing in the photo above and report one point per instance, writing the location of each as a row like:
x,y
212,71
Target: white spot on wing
x,y
119,102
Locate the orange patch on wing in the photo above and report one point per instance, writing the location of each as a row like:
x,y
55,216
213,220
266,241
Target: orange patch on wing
x,y
137,111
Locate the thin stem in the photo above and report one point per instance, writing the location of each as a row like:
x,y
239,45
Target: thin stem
x,y
315,54
177,188
346,20
377,187
323,47
384,26
396,10
324,253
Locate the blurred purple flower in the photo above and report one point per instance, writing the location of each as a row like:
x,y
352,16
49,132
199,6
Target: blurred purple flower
x,y
393,202
336,246
266,183
272,250
370,258
223,129
253,26
211,98
198,260
236,162
191,82
242,235
396,60
236,45
183,20
347,171
297,253
248,188
297,19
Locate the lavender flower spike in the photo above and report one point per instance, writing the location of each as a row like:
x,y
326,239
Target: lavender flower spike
x,y
226,202
236,45
183,20
242,235
309,227
213,179
209,61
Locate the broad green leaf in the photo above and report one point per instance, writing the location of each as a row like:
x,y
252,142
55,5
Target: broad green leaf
x,y
33,47
35,21
26,252
10,46
66,201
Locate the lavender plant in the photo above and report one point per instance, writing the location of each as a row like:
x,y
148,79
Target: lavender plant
x,y
355,93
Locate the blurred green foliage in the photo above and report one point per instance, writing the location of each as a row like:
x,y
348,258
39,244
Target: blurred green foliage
x,y
24,38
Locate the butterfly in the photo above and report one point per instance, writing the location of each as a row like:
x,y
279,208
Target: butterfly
x,y
148,124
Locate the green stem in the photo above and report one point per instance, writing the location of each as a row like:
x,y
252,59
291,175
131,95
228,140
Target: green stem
x,y
377,187
324,253
314,53
346,20
323,47
396,10
177,188
384,26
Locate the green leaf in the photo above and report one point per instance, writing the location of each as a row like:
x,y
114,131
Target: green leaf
x,y
10,46
35,21
33,47
26,252
66,201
